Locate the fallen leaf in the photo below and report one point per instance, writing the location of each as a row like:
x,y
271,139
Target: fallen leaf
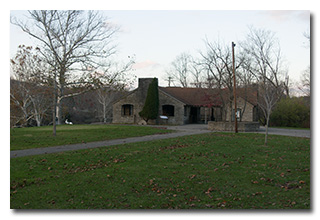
x,y
193,176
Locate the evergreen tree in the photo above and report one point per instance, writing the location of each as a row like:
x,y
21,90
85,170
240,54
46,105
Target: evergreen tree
x,y
151,106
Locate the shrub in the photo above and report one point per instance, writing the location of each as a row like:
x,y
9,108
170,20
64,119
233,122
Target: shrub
x,y
291,112
151,106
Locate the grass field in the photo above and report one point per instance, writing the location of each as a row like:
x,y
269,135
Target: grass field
x,y
35,137
208,171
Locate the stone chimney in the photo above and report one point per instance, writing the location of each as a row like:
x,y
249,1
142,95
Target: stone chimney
x,y
144,83
143,88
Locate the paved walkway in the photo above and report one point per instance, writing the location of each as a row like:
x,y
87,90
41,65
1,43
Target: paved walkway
x,y
287,132
277,131
180,131
48,150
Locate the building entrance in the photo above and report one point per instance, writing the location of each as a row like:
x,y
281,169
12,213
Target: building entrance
x,y
194,115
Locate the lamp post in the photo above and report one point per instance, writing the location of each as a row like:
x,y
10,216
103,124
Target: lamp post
x,y
234,91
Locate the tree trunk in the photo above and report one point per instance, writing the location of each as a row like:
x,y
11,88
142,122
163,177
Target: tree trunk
x,y
104,113
54,112
37,118
58,111
266,134
54,118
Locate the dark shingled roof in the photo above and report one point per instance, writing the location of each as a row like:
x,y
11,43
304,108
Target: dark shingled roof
x,y
194,96
207,97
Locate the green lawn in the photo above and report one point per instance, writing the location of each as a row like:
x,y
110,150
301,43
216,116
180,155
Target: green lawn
x,y
35,137
208,171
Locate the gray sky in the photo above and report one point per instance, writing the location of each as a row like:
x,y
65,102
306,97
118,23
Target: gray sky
x,y
156,37
288,26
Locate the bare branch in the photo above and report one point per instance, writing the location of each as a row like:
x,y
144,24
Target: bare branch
x,y
75,44
264,61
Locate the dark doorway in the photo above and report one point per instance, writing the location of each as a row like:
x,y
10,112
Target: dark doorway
x,y
212,115
193,117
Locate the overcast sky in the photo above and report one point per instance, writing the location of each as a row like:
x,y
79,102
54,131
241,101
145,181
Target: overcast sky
x,y
162,47
156,37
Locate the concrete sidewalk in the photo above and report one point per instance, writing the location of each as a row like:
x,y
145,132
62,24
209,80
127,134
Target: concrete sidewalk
x,y
49,150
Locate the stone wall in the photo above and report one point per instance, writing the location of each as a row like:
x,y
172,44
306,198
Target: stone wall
x,y
118,117
248,108
178,118
137,99
227,126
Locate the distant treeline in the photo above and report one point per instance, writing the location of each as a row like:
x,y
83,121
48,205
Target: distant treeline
x,y
292,112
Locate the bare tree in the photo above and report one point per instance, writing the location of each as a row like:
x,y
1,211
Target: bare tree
x,y
29,86
197,72
19,104
77,45
106,96
305,84
265,64
180,69
269,95
217,62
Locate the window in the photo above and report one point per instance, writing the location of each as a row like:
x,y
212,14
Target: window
x,y
238,114
168,110
127,110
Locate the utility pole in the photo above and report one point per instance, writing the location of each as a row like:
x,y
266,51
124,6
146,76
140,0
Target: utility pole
x,y
169,79
234,91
